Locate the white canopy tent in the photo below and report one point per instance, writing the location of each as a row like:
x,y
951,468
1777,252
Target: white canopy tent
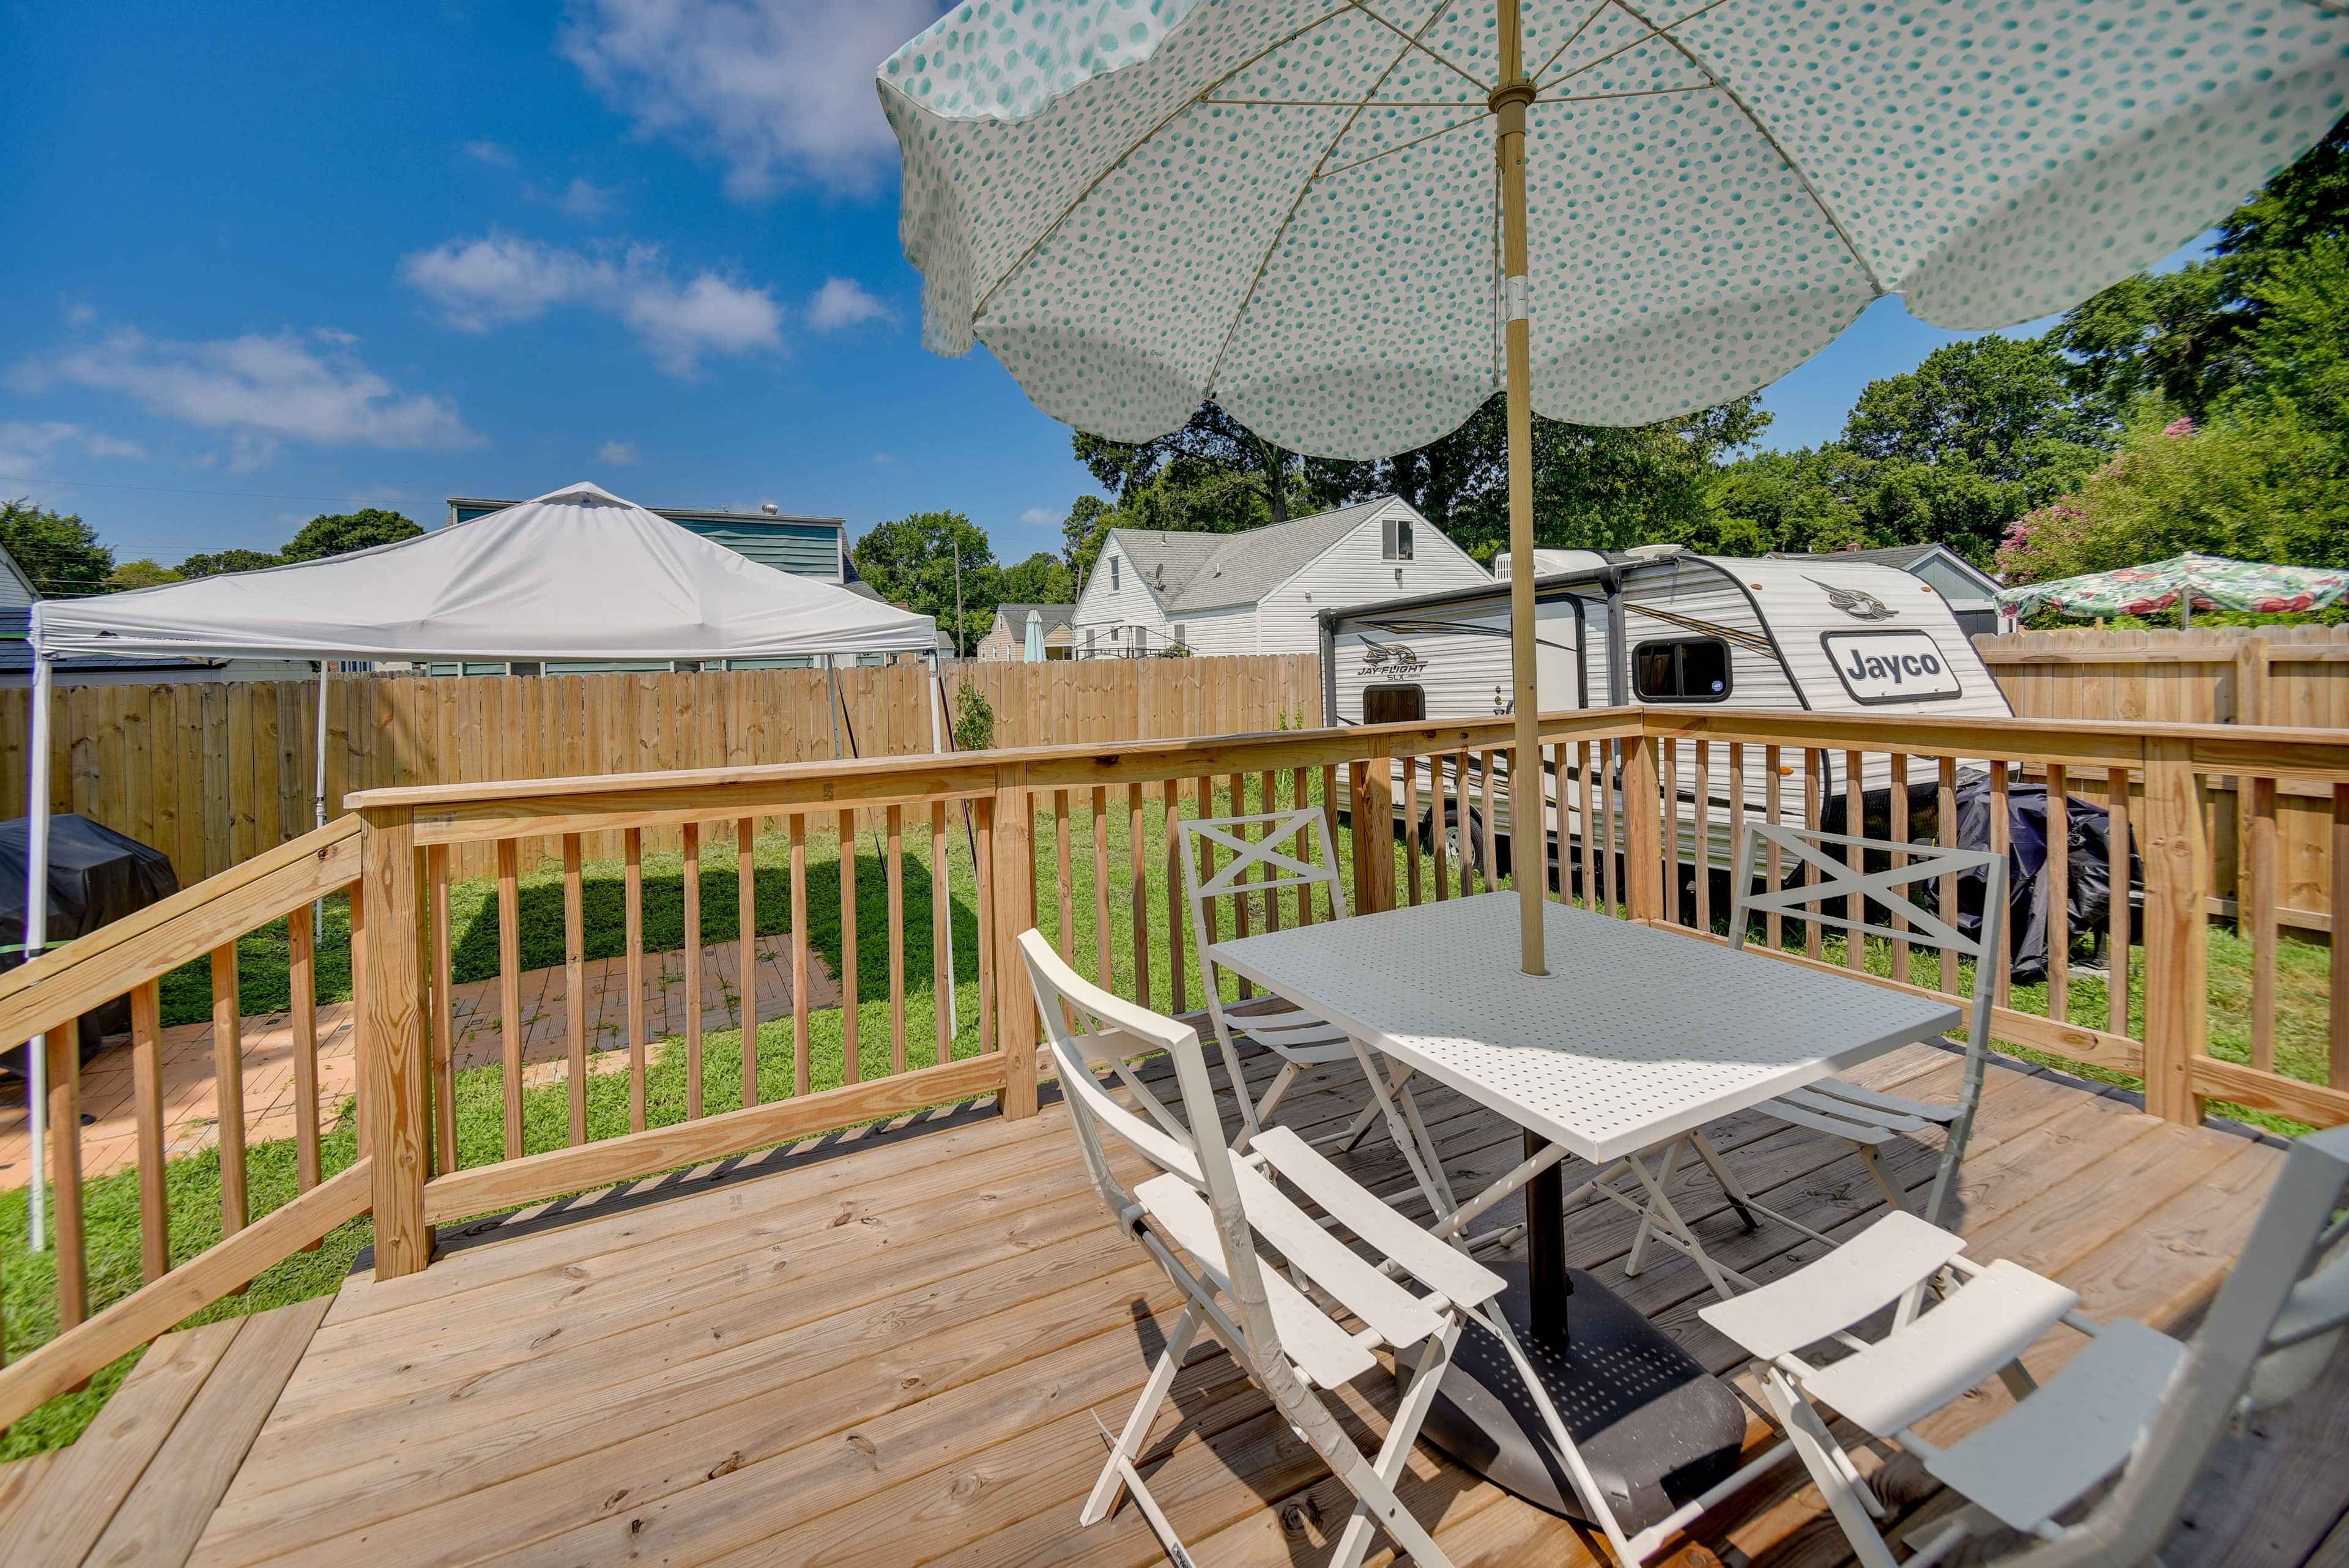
x,y
577,574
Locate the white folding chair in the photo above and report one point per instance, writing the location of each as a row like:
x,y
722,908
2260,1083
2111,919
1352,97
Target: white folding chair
x,y
1300,1040
1203,1218
2132,1400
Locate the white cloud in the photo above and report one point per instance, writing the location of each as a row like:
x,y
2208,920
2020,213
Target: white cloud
x,y
305,386
24,447
777,90
619,454
496,154
479,284
582,200
1040,517
842,302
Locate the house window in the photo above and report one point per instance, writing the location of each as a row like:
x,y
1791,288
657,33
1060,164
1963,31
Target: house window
x,y
1112,573
1089,642
1394,537
1694,670
1181,634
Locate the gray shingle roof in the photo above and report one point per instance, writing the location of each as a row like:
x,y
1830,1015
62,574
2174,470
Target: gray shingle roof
x,y
1055,617
1191,572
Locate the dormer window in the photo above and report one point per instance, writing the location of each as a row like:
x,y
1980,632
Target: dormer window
x,y
1394,538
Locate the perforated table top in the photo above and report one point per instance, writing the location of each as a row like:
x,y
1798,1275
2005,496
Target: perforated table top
x,y
1634,1035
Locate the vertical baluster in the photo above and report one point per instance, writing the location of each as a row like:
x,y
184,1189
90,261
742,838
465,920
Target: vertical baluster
x,y
633,896
1999,841
1137,892
64,1047
2338,1042
356,894
1947,818
510,987
302,985
692,887
1457,825
852,1053
1773,789
1610,872
1204,852
228,1091
1855,859
1554,816
942,976
443,1024
1668,787
1492,836
1586,822
147,1098
1178,930
1103,967
1330,818
2262,895
2059,888
1815,765
1736,821
1300,791
1440,809
1268,784
1896,799
1241,925
574,983
1702,855
982,876
746,949
1067,877
896,873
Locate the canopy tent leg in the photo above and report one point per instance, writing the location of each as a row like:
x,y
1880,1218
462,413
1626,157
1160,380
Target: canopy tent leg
x,y
36,933
938,731
318,801
1508,103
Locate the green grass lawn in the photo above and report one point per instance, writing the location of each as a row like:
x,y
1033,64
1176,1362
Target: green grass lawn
x,y
195,1182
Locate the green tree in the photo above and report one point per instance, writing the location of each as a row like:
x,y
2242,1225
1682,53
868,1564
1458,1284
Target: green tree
x,y
57,551
1040,580
340,533
1212,443
140,574
911,561
227,561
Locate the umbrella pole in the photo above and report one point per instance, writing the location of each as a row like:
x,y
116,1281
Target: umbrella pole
x,y
1508,104
36,931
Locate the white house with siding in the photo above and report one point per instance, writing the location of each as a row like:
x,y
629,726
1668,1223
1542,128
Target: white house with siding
x,y
1261,591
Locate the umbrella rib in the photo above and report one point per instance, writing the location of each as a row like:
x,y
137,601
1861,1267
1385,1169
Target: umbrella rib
x,y
1579,28
1342,103
1639,92
1319,174
1835,221
1177,112
1412,41
1281,231
1650,36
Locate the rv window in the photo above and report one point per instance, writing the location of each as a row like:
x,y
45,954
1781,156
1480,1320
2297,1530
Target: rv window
x,y
1696,670
1393,704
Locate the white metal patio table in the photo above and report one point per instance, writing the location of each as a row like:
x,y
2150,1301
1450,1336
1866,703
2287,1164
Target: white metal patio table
x,y
1636,1038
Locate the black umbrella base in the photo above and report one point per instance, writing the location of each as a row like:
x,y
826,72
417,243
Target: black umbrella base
x,y
1655,1428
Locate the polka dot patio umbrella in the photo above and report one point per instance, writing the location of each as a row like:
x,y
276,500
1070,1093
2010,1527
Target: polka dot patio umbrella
x,y
1350,222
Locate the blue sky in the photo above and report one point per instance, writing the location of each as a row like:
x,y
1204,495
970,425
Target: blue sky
x,y
272,260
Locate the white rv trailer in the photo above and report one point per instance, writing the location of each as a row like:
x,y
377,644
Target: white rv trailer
x,y
1659,626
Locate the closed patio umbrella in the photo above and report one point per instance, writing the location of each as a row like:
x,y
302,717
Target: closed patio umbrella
x,y
1349,222
2190,582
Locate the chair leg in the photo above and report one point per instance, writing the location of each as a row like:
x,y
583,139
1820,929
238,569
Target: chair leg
x,y
1731,1188
1262,1112
1637,1259
1137,1425
1875,1163
1439,1195
1357,1129
1852,1505
1419,1396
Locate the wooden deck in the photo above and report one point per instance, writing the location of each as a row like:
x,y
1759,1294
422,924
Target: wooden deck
x,y
888,1352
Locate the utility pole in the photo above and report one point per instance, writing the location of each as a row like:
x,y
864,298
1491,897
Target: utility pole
x,y
959,633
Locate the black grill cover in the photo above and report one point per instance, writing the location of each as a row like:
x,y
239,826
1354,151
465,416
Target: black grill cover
x,y
96,877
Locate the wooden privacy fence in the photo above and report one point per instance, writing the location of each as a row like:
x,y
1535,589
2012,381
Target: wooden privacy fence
x,y
1076,840
214,773
2296,676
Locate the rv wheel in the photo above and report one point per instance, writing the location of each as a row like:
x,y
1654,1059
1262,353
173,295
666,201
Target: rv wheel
x,y
1452,851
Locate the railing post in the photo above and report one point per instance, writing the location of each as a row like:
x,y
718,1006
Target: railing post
x,y
1373,810
2177,947
396,1071
1643,851
1015,911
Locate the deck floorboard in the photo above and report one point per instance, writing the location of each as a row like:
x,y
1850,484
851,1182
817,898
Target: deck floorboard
x,y
893,1356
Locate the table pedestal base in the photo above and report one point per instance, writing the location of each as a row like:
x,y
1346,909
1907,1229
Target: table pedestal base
x,y
1652,1425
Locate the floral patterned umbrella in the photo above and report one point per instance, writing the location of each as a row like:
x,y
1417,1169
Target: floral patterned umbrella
x,y
1350,222
2214,582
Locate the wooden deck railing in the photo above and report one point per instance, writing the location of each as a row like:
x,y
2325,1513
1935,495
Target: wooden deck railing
x,y
976,842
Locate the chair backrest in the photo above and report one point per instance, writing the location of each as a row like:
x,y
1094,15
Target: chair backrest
x,y
1285,849
1843,880
2277,1321
1084,1024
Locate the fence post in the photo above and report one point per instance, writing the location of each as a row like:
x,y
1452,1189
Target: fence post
x,y
393,1107
1643,863
2252,680
2177,948
1015,911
